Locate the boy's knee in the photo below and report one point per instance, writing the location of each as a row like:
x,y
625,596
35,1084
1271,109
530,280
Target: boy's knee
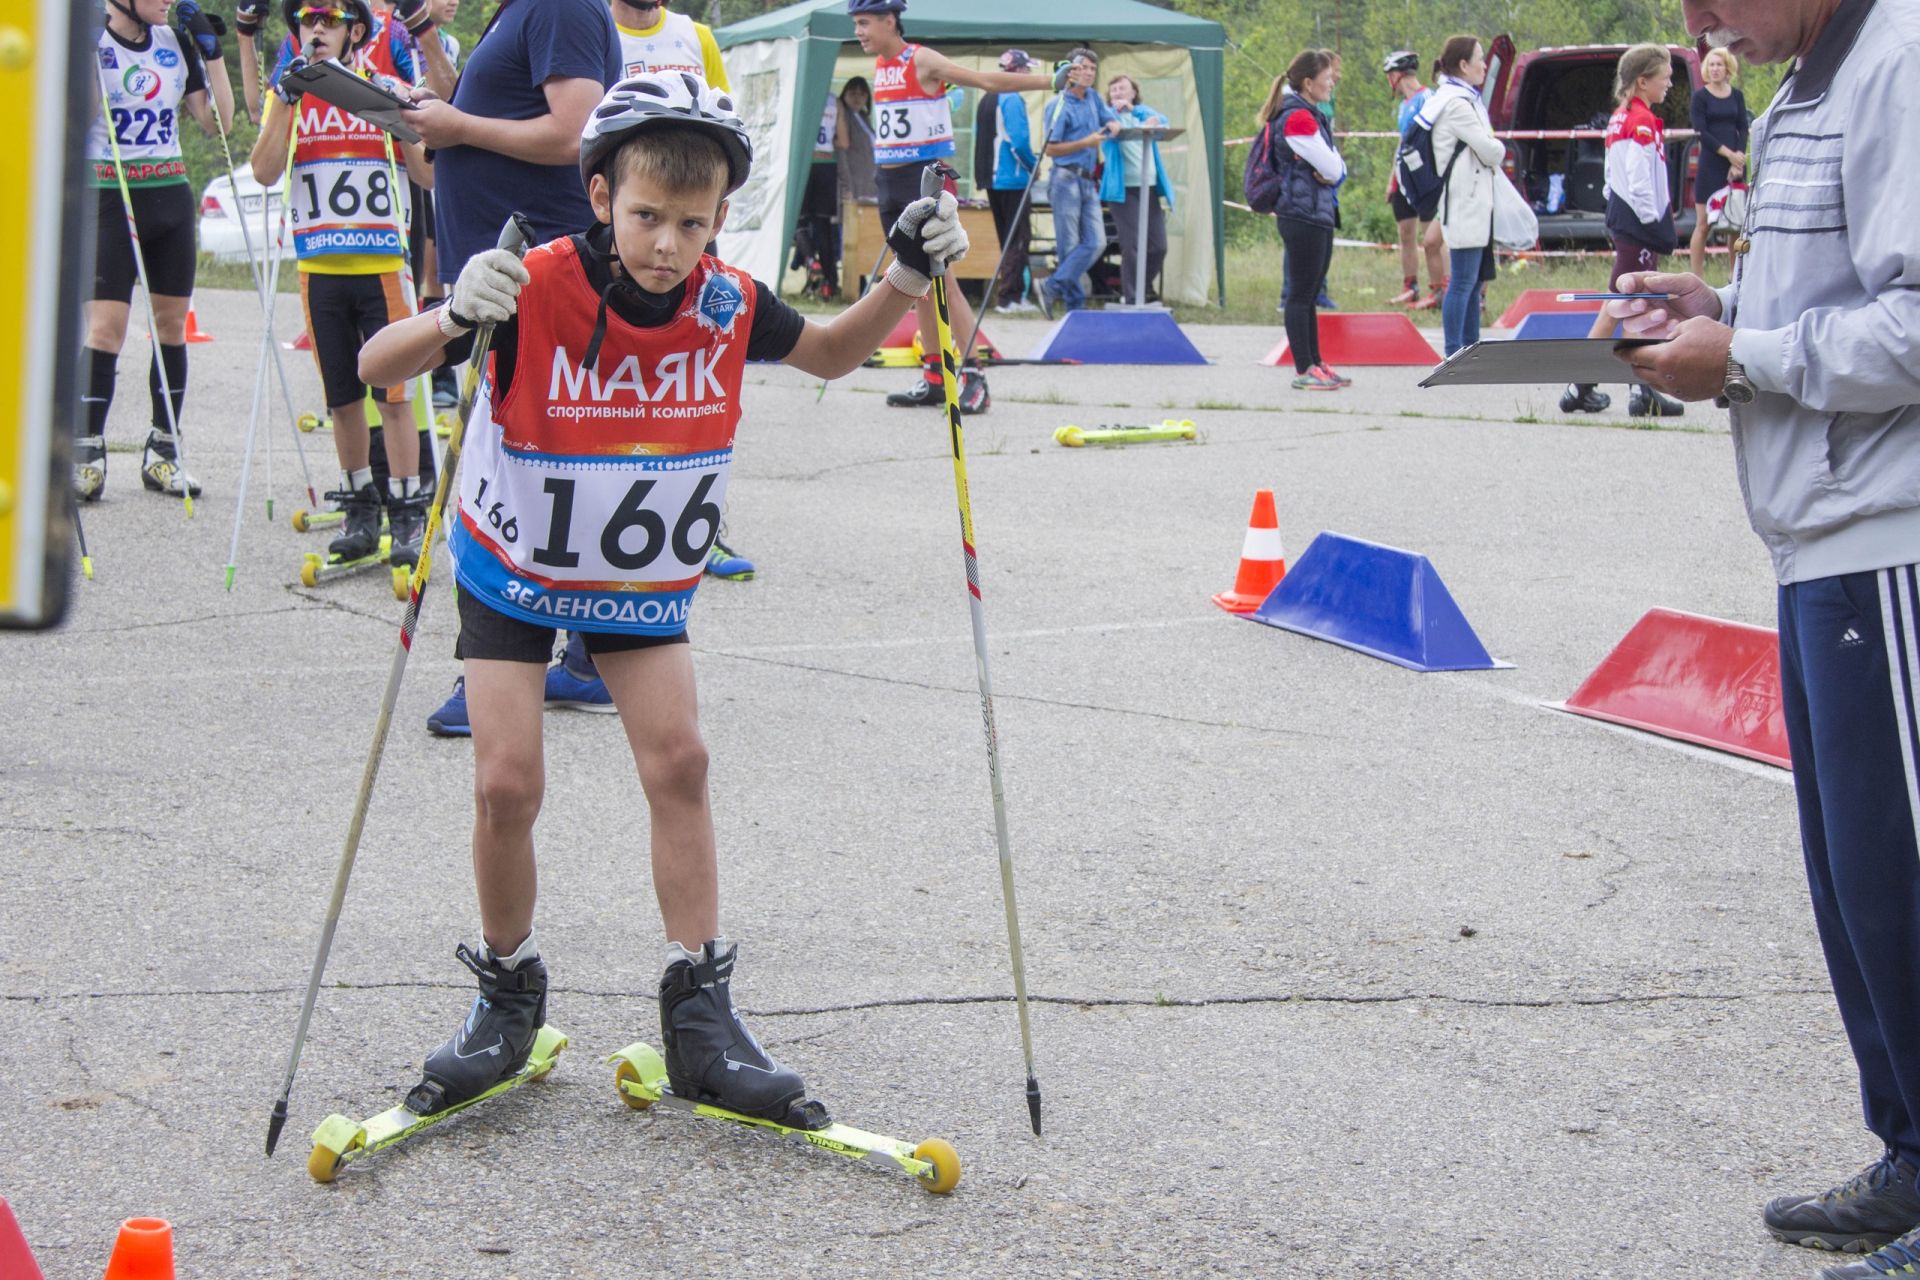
x,y
508,795
676,767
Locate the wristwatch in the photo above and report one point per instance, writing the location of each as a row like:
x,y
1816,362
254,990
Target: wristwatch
x,y
1738,388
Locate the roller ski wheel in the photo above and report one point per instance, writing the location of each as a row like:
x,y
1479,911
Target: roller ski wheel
x,y
307,521
640,1075
401,582
317,568
340,1141
312,422
443,424
1170,429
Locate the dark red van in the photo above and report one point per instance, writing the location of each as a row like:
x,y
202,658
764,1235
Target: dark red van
x,y
1572,88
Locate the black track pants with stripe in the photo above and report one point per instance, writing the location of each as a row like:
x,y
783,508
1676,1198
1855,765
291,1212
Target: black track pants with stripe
x,y
1849,667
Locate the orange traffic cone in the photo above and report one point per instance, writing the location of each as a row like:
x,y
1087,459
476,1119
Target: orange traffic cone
x,y
304,342
144,1251
194,332
1263,561
16,1260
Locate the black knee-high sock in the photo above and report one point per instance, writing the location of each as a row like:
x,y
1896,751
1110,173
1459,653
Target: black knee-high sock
x,y
176,363
98,397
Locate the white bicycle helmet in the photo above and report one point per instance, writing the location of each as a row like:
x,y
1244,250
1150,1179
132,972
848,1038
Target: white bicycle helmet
x,y
670,98
1402,60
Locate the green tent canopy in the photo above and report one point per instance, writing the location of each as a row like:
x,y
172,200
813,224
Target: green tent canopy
x,y
784,64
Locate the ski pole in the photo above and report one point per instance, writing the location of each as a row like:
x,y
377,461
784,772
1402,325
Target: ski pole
x,y
932,180
80,532
515,237
986,299
146,289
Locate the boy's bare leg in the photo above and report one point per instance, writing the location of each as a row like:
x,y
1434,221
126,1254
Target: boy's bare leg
x,y
403,437
654,692
504,705
351,444
1436,257
1409,260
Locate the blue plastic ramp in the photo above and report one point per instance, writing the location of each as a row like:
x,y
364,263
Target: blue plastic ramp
x,y
1557,324
1118,337
1379,600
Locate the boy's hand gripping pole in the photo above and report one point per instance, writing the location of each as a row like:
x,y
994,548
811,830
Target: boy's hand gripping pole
x,y
932,181
514,236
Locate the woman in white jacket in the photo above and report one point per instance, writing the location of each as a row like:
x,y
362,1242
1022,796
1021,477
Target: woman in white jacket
x,y
1466,150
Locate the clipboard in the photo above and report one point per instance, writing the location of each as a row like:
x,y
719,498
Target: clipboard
x,y
333,84
1537,361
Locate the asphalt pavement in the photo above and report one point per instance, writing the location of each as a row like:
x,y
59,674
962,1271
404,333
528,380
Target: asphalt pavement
x,y
1338,969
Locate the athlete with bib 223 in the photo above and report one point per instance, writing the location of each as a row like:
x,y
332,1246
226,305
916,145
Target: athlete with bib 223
x,y
149,76
595,469
914,124
349,233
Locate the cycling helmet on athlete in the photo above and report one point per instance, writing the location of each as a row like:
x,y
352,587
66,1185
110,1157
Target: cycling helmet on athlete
x,y
876,6
672,97
355,10
1405,61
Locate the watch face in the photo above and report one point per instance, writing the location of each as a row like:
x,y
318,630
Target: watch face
x,y
1738,392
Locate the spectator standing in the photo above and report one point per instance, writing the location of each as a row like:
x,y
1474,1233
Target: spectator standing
x,y
1077,125
856,155
1461,127
655,40
507,142
1311,170
1009,172
1120,187
1719,116
1816,347
1402,70
1639,206
816,241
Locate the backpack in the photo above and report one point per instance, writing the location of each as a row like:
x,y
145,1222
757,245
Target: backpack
x,y
1422,181
1261,179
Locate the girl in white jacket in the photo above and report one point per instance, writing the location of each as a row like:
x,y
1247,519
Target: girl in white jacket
x,y
1465,148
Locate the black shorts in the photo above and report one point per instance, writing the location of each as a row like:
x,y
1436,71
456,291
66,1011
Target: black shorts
x,y
898,186
1402,209
164,216
490,635
342,313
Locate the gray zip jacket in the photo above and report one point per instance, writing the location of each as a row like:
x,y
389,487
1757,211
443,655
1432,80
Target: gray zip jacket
x,y
1826,303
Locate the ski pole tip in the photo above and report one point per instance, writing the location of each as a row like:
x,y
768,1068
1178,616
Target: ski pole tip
x,y
86,567
188,502
275,1124
1033,1104
230,577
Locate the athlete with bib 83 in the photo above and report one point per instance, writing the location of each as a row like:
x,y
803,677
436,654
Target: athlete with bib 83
x,y
595,471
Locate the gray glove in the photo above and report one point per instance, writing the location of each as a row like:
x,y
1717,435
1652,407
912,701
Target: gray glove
x,y
926,240
488,290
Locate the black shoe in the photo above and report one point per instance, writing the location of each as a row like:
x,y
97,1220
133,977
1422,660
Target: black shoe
x,y
1584,397
360,537
1899,1257
711,1056
923,395
496,1038
446,390
1867,1211
974,396
407,525
1644,402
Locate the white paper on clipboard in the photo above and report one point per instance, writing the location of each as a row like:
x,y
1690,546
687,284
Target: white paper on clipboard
x,y
332,83
1537,361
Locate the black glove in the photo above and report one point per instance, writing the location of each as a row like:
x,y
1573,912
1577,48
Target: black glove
x,y
417,15
247,17
197,26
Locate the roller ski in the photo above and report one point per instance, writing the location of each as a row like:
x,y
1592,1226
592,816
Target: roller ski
x,y
713,1067
1170,429
503,1044
360,546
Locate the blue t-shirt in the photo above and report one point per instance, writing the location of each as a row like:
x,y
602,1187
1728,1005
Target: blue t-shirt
x,y
532,41
1411,108
1078,117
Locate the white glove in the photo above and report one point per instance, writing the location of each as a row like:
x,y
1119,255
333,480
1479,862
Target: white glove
x,y
488,290
926,239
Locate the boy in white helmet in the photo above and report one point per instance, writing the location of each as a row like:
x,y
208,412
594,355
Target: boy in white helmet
x,y
596,465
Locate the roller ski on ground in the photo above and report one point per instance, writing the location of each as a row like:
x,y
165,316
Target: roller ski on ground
x,y
1171,429
89,467
503,1044
713,1067
360,546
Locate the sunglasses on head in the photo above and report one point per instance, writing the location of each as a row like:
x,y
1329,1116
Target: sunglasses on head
x,y
325,19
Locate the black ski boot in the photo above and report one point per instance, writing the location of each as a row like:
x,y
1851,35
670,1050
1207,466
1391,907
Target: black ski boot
x,y
1584,397
407,524
496,1038
361,536
922,395
160,468
974,397
711,1057
1644,402
89,467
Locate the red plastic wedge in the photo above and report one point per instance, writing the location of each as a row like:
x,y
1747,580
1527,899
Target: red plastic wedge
x,y
1534,301
1362,338
907,332
1701,680
16,1260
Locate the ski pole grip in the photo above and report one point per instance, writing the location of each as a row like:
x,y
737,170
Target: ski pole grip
x,y
516,235
933,179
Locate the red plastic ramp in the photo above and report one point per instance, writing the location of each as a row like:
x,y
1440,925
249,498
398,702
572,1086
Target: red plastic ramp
x,y
1534,302
908,331
16,1260
1363,338
1702,680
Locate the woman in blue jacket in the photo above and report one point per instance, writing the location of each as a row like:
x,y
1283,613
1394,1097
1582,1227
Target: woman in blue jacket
x,y
1300,142
1120,186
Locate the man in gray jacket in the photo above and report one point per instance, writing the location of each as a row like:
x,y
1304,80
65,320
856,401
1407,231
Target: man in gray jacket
x,y
1816,347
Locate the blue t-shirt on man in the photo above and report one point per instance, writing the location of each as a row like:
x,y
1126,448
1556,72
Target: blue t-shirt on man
x,y
531,42
1078,116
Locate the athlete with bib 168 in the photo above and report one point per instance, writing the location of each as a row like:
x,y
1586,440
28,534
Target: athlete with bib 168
x,y
914,124
596,465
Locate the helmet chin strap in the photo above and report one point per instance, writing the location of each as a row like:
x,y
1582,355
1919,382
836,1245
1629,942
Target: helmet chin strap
x,y
132,16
